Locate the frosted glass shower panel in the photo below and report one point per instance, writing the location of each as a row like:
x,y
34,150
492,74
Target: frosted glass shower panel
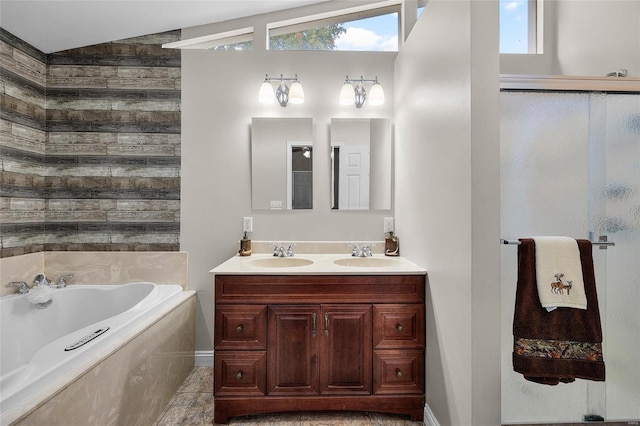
x,y
615,130
570,165
544,173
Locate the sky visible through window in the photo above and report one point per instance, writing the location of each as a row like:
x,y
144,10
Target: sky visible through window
x,y
514,21
379,33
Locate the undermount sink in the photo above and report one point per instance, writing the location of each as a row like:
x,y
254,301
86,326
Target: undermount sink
x,y
366,262
280,262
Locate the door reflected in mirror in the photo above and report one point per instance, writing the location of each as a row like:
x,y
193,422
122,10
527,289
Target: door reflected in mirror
x,y
281,163
360,164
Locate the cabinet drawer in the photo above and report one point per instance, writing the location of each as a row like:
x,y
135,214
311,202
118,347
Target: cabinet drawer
x,y
398,372
398,326
241,327
240,373
299,289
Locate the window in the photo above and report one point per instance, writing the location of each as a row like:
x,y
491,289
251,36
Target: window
x,y
518,26
240,39
367,30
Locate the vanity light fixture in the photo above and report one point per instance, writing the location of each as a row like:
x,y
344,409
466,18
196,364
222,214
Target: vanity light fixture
x,y
356,96
283,94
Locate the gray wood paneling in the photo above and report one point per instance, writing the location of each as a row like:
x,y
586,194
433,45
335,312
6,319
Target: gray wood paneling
x,y
90,146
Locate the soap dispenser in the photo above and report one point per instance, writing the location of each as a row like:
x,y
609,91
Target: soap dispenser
x,y
245,246
391,245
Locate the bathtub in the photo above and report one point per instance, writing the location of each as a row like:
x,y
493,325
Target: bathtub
x,y
44,350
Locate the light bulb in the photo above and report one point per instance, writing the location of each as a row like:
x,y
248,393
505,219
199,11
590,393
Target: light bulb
x,y
347,95
376,95
296,94
266,95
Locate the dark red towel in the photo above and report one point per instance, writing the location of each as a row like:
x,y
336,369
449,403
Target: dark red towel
x,y
561,345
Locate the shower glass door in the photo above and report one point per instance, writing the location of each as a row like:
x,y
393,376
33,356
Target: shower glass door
x,y
570,165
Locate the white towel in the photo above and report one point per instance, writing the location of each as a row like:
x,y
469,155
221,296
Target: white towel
x,y
559,273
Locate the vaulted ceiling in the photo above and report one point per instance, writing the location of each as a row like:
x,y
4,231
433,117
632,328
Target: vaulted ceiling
x,y
52,25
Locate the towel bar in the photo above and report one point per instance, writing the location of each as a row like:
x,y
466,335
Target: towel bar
x,y
602,244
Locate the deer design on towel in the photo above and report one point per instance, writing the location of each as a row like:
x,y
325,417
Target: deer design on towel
x,y
557,287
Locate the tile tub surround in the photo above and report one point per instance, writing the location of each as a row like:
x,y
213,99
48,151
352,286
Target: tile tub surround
x,y
131,385
19,268
97,267
90,146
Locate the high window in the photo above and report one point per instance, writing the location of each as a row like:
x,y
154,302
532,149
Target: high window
x,y
519,26
367,30
240,39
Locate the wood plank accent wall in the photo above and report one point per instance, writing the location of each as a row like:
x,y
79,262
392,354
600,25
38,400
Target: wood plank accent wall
x,y
99,168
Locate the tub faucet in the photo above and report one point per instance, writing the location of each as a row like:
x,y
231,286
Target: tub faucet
x,y
23,287
61,283
41,279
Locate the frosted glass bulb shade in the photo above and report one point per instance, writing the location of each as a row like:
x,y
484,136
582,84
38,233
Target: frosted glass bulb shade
x,y
296,94
347,95
266,95
376,95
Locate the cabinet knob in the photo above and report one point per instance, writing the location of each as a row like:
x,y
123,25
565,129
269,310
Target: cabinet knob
x,y
399,327
239,375
398,372
239,328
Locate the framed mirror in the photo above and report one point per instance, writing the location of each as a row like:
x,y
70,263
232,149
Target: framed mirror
x,y
281,163
360,164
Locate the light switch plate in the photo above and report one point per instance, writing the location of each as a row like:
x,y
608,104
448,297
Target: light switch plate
x,y
388,225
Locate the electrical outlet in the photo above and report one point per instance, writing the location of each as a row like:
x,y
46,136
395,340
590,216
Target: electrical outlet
x,y
247,224
388,224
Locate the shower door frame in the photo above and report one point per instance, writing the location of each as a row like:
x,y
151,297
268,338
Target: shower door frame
x,y
596,394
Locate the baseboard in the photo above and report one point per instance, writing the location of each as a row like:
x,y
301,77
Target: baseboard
x,y
429,417
204,359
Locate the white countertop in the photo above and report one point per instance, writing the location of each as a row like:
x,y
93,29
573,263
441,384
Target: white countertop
x,y
317,264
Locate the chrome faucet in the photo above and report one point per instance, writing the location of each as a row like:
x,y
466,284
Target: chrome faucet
x,y
62,283
23,287
280,251
41,279
364,251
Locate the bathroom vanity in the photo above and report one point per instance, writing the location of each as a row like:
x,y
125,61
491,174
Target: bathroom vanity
x,y
328,333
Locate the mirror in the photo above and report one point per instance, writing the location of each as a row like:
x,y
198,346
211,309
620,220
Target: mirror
x,y
281,163
360,164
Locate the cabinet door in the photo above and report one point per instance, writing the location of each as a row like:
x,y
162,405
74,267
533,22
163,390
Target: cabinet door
x,y
292,354
345,363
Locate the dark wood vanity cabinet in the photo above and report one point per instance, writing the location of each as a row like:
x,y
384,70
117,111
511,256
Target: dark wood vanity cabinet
x,y
318,343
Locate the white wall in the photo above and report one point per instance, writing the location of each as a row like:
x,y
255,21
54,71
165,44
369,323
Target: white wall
x,y
447,200
219,98
584,38
597,37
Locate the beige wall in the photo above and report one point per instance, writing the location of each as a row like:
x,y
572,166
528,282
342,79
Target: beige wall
x,y
447,200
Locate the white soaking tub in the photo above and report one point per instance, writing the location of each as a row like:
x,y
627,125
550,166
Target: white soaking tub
x,y
43,350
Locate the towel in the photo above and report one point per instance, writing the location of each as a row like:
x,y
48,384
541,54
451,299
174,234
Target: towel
x,y
559,273
557,346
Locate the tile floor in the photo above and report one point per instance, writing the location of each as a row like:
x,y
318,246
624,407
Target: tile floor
x,y
193,406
